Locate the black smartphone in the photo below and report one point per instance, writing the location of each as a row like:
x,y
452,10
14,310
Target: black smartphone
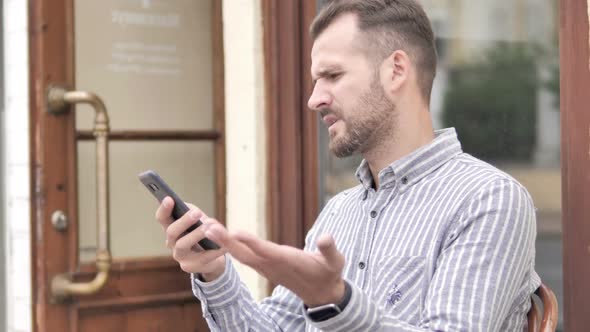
x,y
154,184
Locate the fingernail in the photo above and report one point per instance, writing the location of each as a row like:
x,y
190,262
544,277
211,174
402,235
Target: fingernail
x,y
195,214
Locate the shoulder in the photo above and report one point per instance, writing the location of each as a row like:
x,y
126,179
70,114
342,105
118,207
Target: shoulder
x,y
480,176
493,196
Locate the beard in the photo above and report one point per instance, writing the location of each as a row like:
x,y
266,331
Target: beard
x,y
368,124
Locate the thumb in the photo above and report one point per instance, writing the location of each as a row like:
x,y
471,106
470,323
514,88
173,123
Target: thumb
x,y
327,248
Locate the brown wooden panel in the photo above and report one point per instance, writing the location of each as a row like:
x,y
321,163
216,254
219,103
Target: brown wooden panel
x,y
125,303
311,187
153,135
292,129
575,154
136,283
282,49
136,264
48,34
185,317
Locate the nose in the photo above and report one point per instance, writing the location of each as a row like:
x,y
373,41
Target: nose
x,y
320,98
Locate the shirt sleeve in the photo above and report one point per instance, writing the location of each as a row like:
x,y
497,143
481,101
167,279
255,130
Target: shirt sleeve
x,y
479,275
227,305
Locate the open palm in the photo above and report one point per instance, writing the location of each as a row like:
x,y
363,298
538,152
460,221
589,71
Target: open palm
x,y
313,276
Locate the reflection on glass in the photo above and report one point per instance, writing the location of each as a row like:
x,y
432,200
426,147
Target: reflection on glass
x,y
148,60
187,167
498,84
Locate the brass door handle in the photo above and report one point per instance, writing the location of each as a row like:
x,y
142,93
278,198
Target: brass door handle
x,y
58,100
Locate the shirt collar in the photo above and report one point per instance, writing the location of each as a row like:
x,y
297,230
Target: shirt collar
x,y
416,165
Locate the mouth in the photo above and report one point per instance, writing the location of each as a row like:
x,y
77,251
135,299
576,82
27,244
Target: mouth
x,y
329,120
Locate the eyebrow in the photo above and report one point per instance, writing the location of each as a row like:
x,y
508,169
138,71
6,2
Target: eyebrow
x,y
326,72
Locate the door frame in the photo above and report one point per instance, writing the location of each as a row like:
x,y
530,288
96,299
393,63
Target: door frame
x,y
575,161
293,181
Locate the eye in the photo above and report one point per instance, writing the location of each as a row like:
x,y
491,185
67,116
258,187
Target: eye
x,y
333,76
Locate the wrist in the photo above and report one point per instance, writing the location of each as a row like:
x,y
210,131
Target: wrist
x,y
327,311
334,295
217,271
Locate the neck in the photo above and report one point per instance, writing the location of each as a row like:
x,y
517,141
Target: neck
x,y
412,131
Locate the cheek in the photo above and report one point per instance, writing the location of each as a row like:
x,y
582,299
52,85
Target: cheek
x,y
346,97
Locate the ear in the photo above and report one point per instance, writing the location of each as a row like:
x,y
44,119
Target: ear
x,y
396,71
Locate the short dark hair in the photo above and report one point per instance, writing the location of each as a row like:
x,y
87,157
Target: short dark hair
x,y
387,26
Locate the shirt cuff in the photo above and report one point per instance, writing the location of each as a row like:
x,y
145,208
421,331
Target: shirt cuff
x,y
360,314
218,293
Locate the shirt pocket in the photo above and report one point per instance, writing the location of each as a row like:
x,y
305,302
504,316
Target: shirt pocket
x,y
398,286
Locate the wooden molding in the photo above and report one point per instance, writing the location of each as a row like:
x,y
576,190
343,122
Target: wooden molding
x,y
293,190
154,135
126,303
575,162
292,128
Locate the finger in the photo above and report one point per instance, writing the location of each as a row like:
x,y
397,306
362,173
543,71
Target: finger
x,y
210,221
164,212
206,222
179,227
208,256
187,247
194,207
327,247
218,234
259,246
188,241
196,259
201,264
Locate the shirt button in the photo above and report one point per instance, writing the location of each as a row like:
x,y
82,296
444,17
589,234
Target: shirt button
x,y
362,265
373,214
404,180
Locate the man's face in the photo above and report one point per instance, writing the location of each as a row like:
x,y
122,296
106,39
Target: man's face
x,y
348,92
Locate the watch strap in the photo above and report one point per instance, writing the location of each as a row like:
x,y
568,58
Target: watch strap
x,y
346,297
327,311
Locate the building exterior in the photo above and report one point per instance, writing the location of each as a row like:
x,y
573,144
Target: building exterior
x,y
212,94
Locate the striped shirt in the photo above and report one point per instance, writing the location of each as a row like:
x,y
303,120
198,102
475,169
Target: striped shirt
x,y
446,243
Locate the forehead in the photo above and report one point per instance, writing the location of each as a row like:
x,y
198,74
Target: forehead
x,y
337,45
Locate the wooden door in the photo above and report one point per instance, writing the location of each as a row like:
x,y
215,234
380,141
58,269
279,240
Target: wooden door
x,y
158,68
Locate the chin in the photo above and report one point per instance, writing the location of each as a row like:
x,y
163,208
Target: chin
x,y
341,148
336,132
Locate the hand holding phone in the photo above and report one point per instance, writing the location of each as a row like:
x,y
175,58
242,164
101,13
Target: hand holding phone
x,y
156,185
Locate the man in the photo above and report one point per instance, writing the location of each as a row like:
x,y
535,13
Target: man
x,y
431,239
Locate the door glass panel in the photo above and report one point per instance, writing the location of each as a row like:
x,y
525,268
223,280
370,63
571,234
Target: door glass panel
x,y
188,167
151,62
498,84
148,60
